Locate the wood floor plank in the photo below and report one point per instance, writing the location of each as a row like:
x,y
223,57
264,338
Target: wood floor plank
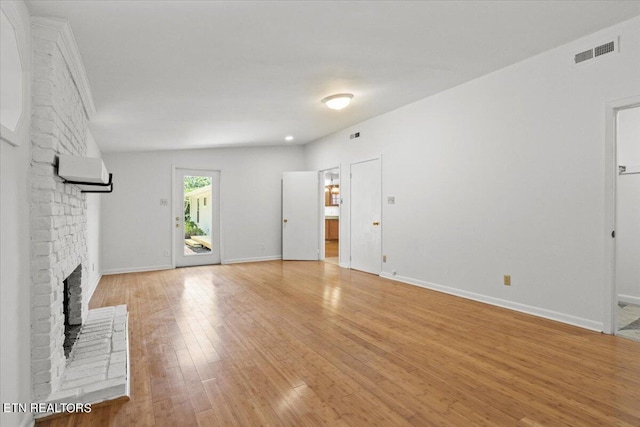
x,y
206,419
308,344
221,412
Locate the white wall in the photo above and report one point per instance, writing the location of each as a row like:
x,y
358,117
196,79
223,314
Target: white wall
x,y
15,282
501,175
93,227
136,230
628,208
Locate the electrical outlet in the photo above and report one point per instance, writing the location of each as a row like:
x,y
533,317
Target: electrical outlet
x,y
507,280
166,253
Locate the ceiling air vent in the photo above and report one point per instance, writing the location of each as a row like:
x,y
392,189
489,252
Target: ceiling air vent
x,y
597,51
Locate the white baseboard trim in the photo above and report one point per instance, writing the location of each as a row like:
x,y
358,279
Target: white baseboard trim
x,y
523,308
136,269
256,259
629,299
93,287
28,420
343,265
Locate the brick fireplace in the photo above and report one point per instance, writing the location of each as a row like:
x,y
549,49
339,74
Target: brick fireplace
x,y
58,210
96,369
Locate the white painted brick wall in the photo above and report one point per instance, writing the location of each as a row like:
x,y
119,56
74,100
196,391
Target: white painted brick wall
x,y
58,212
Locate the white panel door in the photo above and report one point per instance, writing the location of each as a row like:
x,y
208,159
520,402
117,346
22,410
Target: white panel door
x,y
197,217
300,216
366,208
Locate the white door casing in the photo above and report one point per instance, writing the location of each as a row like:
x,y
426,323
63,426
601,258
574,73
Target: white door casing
x,y
627,208
366,216
610,296
300,216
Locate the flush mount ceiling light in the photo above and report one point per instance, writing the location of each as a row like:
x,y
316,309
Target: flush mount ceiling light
x,y
288,138
338,101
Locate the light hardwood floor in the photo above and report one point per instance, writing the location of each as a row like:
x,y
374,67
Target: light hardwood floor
x,y
308,343
331,248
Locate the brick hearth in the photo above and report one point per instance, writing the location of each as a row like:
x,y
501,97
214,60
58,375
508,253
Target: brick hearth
x,y
97,369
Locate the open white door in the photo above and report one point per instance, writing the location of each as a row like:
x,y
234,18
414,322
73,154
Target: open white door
x,y
366,208
300,216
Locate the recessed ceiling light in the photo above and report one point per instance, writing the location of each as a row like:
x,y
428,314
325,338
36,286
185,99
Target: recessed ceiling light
x,y
288,138
338,101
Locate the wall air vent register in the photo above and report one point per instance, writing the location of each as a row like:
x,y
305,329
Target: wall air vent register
x,y
594,52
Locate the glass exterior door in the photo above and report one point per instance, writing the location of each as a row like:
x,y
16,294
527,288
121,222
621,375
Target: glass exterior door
x,y
197,216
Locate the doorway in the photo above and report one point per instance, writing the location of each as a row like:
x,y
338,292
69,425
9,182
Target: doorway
x,y
331,213
365,216
627,223
197,217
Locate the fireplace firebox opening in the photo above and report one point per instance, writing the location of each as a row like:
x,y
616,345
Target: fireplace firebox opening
x,y
72,309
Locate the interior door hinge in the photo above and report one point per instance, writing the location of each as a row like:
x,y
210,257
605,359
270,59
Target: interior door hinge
x,y
613,234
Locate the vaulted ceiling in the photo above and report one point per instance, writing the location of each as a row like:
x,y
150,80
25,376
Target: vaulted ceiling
x,y
194,74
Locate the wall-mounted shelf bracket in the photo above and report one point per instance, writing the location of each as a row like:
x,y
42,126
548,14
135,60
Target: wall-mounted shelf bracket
x,y
628,170
94,184
84,172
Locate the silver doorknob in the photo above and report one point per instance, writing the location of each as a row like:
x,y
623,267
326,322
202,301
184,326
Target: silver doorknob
x,y
286,220
376,223
177,218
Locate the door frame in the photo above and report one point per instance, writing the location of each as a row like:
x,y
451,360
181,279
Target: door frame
x,y
610,320
321,229
172,203
378,157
